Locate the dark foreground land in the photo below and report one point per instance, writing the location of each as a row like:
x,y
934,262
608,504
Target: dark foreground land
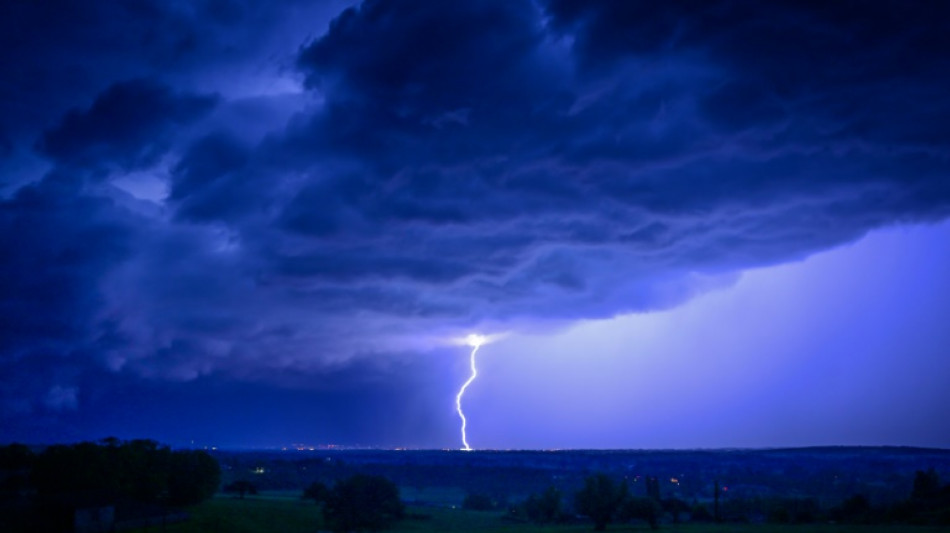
x,y
114,485
284,513
857,488
434,477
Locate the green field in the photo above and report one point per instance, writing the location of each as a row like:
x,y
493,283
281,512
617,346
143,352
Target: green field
x,y
286,513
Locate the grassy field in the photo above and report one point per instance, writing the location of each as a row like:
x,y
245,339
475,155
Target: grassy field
x,y
269,512
439,496
285,513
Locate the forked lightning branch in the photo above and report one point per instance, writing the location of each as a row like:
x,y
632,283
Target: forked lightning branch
x,y
474,341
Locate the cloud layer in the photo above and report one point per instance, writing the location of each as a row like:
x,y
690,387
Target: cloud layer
x,y
416,170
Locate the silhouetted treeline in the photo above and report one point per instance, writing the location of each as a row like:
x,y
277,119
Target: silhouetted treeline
x,y
138,470
854,485
927,504
827,474
604,500
100,486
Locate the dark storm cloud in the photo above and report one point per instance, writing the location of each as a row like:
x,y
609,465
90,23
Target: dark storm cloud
x,y
613,137
129,125
200,179
56,242
59,55
493,165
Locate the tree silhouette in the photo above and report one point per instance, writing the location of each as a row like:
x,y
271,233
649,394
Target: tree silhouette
x,y
646,509
16,461
16,457
653,488
362,503
675,507
855,509
317,492
138,470
600,499
241,487
716,515
544,508
193,476
926,485
478,502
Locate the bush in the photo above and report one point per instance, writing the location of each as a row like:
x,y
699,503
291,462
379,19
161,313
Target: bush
x,y
855,510
193,477
600,499
241,488
646,509
478,502
362,503
544,508
699,513
317,492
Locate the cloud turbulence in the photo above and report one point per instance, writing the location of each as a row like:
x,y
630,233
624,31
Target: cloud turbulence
x,y
287,193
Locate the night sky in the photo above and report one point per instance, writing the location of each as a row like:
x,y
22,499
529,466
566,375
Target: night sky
x,y
683,224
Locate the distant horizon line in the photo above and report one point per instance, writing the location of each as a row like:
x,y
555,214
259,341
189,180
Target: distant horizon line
x,y
357,447
554,450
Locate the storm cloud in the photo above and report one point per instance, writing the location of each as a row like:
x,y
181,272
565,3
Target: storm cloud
x,y
433,168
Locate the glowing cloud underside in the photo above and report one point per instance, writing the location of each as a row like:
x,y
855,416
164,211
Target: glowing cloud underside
x,y
474,341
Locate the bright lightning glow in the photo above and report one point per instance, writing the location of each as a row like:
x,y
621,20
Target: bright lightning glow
x,y
474,341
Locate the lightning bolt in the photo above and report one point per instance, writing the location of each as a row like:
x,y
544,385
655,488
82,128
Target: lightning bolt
x,y
474,341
